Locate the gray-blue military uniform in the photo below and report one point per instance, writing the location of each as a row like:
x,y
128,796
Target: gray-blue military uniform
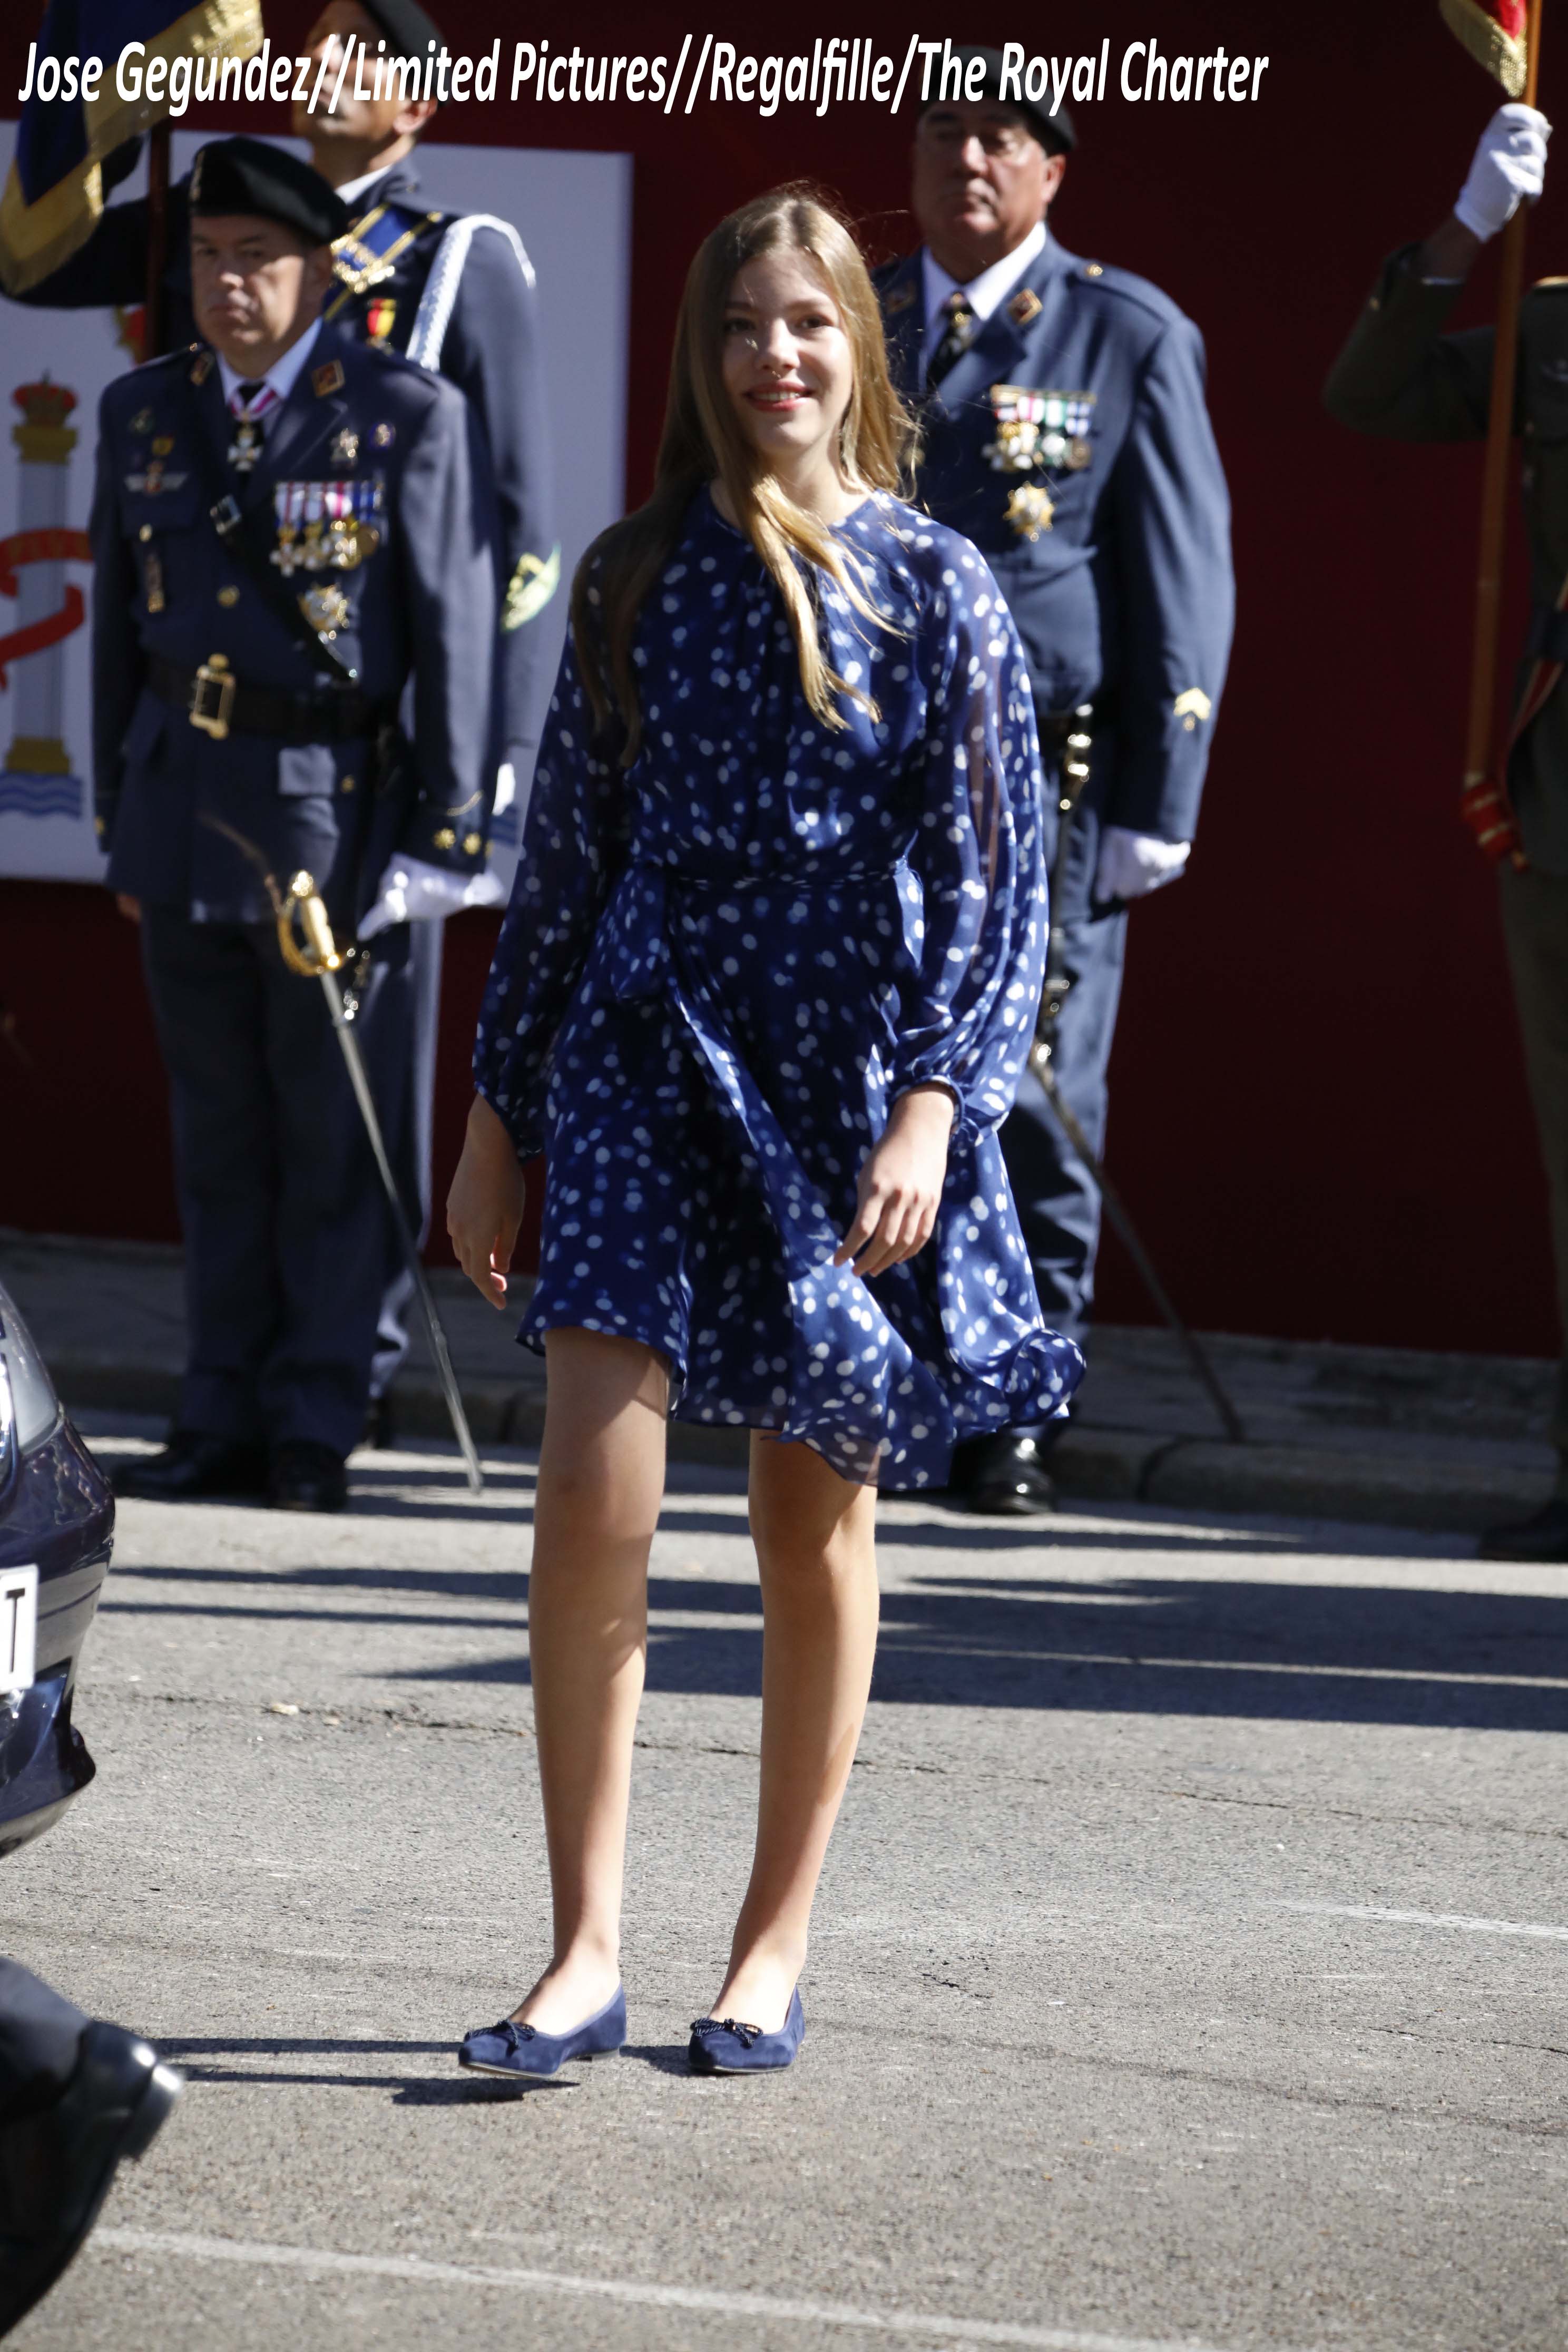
x,y
456,291
453,290
369,500
1071,442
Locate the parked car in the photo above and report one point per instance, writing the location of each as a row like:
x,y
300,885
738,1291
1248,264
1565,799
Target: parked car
x,y
57,1525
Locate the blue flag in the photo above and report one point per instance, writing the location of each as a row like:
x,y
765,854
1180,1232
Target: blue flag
x,y
53,198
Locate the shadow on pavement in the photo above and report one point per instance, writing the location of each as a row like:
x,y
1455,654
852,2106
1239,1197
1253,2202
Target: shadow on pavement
x,y
1146,1645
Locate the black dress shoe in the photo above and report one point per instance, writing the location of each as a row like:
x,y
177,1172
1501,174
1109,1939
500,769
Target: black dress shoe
x,y
1003,1476
192,1465
380,1427
1543,1538
304,1476
56,2166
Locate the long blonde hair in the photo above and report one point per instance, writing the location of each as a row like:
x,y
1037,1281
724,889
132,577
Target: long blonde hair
x,y
703,440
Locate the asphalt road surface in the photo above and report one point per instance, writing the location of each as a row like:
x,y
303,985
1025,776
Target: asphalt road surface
x,y
1190,1966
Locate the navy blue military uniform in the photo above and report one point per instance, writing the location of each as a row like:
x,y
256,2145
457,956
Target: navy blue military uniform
x,y
458,291
481,330
1070,441
371,489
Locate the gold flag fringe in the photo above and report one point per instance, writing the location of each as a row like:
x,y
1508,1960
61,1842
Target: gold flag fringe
x,y
1502,54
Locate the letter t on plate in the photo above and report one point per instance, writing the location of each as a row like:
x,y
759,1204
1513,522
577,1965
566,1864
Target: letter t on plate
x,y
18,1628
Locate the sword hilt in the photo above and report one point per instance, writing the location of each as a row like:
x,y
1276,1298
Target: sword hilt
x,y
304,935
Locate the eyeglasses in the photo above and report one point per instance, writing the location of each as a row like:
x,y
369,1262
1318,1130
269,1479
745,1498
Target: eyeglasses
x,y
944,134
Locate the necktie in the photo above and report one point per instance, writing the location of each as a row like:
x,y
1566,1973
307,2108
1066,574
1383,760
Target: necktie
x,y
954,337
249,403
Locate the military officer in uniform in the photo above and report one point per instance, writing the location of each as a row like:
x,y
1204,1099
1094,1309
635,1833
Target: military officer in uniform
x,y
1066,434
457,289
456,292
1400,375
289,525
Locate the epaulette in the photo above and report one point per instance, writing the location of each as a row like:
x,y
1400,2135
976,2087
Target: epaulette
x,y
1102,278
181,357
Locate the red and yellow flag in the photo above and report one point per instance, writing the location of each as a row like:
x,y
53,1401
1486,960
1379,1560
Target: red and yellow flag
x,y
1494,33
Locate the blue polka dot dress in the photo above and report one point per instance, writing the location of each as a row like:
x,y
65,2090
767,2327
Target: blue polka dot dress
x,y
721,964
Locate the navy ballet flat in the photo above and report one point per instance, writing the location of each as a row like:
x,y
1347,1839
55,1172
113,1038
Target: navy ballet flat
x,y
523,2053
720,2046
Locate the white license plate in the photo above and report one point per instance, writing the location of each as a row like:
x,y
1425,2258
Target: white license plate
x,y
18,1627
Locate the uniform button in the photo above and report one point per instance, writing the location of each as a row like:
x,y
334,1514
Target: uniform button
x,y
347,785
472,844
446,838
145,532
1189,723
227,597
1094,269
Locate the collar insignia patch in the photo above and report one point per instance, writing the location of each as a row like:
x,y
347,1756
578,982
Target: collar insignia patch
x,y
326,379
899,300
201,367
1025,305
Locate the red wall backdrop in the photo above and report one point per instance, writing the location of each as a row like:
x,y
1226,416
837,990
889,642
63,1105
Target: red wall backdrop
x,y
1318,1113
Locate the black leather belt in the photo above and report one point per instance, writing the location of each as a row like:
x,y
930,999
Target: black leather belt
x,y
213,700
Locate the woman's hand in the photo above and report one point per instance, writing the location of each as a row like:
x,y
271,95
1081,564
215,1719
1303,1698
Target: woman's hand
x,y
484,1207
900,1184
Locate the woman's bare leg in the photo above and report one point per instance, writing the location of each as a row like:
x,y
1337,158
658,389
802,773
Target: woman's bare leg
x,y
815,1535
601,1479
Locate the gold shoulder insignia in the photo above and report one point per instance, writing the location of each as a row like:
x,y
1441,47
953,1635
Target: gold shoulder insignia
x,y
201,367
530,589
1094,269
1025,305
326,379
899,300
1194,703
1545,285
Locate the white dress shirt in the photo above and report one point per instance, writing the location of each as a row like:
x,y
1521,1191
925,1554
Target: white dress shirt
x,y
352,190
282,375
984,294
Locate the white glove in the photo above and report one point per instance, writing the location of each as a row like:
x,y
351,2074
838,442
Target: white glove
x,y
410,891
1509,169
1133,864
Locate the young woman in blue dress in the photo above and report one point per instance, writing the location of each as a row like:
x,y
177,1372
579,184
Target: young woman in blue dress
x,y
762,995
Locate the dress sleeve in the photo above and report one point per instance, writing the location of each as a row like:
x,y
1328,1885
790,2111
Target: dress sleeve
x,y
968,1018
570,841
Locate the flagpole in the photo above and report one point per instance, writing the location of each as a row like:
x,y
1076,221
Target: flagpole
x,y
1494,480
155,329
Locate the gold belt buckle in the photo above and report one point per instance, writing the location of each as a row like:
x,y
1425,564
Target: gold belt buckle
x,y
215,672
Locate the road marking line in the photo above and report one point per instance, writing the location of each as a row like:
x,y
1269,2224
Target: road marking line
x,y
1428,1919
410,2267
895,1642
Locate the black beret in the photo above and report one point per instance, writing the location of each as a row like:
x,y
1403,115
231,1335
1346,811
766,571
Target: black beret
x,y
1054,131
247,175
409,31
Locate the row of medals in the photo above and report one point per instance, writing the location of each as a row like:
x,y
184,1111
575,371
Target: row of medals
x,y
1020,447
323,543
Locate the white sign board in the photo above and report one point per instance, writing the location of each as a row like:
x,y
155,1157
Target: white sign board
x,y
574,215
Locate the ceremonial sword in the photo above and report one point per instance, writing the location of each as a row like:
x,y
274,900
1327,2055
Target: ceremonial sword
x,y
1057,985
306,944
